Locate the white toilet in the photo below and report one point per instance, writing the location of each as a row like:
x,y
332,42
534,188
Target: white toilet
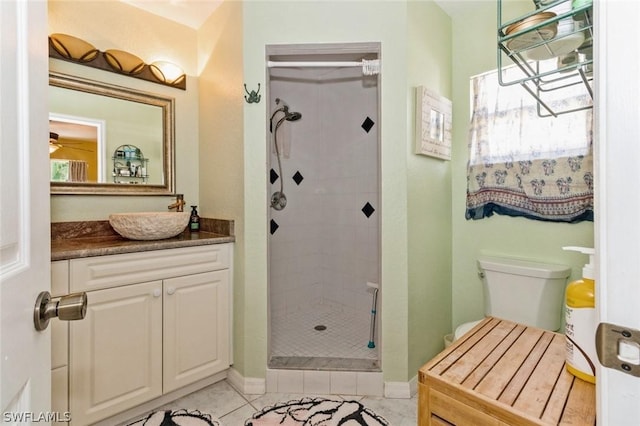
x,y
529,293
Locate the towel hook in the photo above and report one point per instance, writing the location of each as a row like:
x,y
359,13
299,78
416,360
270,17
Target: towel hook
x,y
254,96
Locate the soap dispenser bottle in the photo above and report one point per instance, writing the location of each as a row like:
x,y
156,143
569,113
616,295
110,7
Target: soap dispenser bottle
x,y
581,321
194,220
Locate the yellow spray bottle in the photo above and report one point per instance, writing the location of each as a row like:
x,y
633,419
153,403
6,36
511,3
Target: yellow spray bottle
x,y
581,321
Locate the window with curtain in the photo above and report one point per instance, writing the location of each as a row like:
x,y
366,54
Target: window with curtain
x,y
524,165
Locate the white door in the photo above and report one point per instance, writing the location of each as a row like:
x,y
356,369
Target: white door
x,y
24,211
617,44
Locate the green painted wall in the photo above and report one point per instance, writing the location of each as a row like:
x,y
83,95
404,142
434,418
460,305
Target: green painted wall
x,y
429,279
329,22
428,191
346,21
120,27
474,52
220,109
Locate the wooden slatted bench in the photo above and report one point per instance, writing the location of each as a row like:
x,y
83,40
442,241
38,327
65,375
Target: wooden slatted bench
x,y
504,374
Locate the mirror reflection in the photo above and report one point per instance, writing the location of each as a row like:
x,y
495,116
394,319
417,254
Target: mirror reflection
x,y
108,139
80,140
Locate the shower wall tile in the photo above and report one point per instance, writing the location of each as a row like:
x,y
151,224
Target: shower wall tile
x,y
367,124
344,382
277,304
316,382
327,248
324,382
272,380
369,384
273,176
290,381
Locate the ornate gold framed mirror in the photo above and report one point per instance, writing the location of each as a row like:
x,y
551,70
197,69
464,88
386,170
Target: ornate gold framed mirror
x,y
89,123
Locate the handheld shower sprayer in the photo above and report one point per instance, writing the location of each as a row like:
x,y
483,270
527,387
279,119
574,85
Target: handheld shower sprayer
x,y
284,109
278,199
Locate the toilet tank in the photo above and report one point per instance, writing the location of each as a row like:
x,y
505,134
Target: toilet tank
x,y
527,292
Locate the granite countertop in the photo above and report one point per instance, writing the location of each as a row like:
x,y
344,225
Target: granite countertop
x,y
71,240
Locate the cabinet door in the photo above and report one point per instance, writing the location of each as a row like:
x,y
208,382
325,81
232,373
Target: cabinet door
x,y
196,327
116,352
59,343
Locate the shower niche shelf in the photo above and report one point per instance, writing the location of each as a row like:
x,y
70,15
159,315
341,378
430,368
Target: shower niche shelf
x,y
548,52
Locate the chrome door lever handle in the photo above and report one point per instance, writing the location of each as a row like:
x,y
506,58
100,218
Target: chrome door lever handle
x,y
68,308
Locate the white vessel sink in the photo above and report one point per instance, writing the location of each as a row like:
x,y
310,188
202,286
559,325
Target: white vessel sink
x,y
149,225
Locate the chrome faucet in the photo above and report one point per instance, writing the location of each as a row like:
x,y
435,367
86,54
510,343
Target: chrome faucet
x,y
179,204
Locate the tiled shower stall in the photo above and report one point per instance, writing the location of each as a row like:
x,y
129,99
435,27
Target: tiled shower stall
x,y
324,245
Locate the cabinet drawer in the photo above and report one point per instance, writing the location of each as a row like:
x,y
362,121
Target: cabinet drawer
x,y
93,273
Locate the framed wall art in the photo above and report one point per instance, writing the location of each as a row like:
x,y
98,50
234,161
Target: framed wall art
x,y
433,124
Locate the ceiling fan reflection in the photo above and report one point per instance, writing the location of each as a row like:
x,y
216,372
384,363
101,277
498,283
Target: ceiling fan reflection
x,y
55,144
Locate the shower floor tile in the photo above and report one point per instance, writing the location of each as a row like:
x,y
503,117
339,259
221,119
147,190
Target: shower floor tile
x,y
323,363
346,335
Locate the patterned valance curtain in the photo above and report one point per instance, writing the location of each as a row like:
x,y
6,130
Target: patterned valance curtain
x,y
524,165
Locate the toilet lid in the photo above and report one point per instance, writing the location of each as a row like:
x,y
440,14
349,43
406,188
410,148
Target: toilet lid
x,y
463,328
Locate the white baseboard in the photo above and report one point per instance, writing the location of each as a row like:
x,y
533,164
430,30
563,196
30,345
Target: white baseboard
x,y
246,385
404,390
413,385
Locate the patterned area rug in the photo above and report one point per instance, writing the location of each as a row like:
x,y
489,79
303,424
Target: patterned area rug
x,y
316,412
177,418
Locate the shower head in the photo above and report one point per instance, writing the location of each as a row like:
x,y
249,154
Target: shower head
x,y
288,116
292,116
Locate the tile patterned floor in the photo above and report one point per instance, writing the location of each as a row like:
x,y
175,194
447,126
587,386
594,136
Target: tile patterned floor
x,y
232,408
346,334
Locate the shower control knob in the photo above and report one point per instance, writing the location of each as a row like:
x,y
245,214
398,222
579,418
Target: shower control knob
x,y
278,200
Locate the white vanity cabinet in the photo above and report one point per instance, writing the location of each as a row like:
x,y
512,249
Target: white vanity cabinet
x,y
156,321
59,343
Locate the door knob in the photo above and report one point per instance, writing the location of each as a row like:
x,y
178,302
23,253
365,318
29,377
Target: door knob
x,y
68,308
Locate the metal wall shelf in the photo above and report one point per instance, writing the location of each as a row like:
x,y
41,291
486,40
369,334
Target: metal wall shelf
x,y
553,53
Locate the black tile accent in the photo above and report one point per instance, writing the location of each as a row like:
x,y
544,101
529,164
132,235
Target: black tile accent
x,y
368,210
367,124
297,178
274,226
273,176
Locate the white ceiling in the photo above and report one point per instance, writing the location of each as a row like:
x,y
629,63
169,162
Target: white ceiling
x,y
192,13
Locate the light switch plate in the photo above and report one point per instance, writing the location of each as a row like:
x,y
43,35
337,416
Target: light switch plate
x,y
613,339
